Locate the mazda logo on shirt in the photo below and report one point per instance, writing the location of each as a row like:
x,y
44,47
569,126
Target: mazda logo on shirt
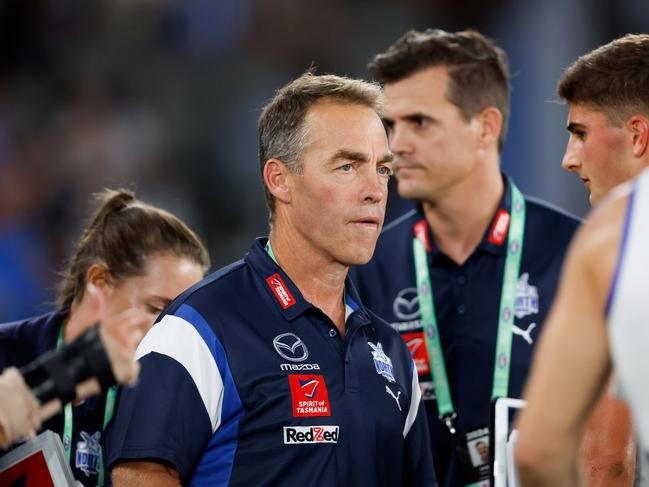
x,y
406,304
290,347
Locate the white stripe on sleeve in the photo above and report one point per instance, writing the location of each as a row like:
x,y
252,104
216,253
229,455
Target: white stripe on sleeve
x,y
415,400
179,340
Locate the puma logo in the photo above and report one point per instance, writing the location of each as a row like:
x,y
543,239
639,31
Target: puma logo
x,y
525,333
396,398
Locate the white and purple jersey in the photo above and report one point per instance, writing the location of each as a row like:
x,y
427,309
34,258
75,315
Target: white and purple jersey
x,y
627,312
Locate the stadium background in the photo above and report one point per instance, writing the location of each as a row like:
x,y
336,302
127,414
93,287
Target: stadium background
x,y
163,96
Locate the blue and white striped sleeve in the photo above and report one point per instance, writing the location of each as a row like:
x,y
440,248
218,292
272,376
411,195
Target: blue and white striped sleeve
x,y
184,403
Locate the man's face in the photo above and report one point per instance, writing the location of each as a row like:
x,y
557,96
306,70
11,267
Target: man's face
x,y
338,200
483,451
435,148
599,153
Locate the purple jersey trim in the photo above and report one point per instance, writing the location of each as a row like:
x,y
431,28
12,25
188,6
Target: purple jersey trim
x,y
620,255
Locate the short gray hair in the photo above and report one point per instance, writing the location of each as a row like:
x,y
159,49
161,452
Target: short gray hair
x,y
283,134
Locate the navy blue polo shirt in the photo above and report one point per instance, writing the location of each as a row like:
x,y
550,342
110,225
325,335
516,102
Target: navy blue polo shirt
x,y
467,300
22,342
243,382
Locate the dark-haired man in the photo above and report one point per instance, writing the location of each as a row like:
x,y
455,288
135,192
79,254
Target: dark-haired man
x,y
468,276
599,320
271,371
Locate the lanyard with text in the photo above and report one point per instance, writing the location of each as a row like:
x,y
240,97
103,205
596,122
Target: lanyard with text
x,y
68,421
505,317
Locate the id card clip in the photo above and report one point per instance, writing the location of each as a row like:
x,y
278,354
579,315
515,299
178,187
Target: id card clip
x,y
448,421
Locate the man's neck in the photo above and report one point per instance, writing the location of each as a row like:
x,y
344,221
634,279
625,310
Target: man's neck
x,y
320,279
459,219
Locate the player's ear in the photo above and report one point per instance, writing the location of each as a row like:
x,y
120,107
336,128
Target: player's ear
x,y
277,179
639,128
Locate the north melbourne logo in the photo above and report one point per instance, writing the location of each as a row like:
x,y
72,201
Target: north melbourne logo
x,y
527,297
296,435
382,362
88,453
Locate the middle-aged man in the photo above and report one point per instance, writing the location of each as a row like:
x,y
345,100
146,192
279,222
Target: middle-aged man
x,y
271,371
468,276
600,314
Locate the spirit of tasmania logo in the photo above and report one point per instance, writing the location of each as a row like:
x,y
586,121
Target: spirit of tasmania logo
x,y
309,394
417,345
280,290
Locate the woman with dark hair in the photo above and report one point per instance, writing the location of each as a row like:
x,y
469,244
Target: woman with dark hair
x,y
132,260
98,359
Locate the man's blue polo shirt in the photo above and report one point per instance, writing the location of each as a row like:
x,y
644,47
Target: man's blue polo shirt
x,y
467,300
243,382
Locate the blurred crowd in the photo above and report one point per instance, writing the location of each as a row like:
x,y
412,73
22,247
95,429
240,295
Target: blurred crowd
x,y
163,96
